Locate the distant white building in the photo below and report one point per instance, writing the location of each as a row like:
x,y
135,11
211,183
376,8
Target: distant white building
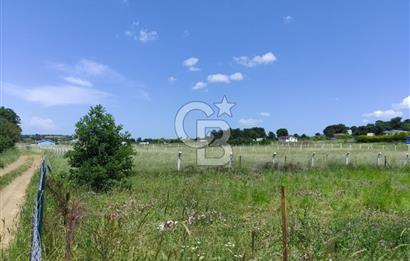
x,y
259,139
393,132
144,143
349,132
370,134
288,139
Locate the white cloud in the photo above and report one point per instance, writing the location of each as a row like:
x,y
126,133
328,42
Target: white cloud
x,y
171,79
78,81
236,76
287,19
405,104
143,95
86,68
267,58
44,124
383,114
147,36
218,77
58,95
264,114
249,122
199,85
190,63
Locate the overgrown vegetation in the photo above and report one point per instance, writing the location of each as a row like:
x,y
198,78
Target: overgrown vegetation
x,y
102,154
8,157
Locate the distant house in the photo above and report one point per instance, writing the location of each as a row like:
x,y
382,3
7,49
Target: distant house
x,y
393,132
144,143
259,139
349,132
370,134
46,143
288,139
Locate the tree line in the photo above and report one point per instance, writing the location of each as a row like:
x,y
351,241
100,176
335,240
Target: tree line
x,y
377,128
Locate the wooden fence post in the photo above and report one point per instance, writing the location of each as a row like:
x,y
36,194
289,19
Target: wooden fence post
x,y
284,213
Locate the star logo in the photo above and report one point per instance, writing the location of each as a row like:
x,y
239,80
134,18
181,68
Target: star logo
x,y
225,107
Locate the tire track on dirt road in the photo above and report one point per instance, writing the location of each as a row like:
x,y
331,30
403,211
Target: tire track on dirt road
x,y
11,199
14,165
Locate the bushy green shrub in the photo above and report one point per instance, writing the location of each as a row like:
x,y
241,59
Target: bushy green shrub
x,y
102,154
385,138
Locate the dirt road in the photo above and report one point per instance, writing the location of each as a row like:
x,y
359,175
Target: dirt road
x,y
11,199
13,166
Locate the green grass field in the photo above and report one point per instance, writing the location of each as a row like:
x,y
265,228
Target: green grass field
x,y
335,211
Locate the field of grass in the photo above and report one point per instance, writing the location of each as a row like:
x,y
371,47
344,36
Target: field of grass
x,y
336,212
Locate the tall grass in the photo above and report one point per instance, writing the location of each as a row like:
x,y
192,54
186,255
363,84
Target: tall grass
x,y
8,157
335,212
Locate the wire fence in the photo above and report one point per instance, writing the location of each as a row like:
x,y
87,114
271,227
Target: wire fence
x,y
38,212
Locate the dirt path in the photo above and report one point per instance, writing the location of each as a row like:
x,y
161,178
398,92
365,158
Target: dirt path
x,y
11,199
13,166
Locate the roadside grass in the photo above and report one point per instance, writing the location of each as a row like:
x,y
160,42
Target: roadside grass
x,y
8,157
9,177
335,212
20,248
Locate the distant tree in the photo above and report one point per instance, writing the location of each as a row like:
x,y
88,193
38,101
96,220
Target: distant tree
x,y
282,132
102,155
331,130
10,130
304,137
271,136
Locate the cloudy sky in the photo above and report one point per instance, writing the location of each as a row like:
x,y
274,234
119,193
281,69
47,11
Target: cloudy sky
x,y
296,64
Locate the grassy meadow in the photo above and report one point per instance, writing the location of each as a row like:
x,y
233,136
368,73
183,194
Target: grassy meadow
x,y
355,212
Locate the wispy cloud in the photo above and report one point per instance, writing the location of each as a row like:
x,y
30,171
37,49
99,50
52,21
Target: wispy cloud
x,y
172,79
78,81
383,114
264,114
287,19
199,85
266,58
57,95
86,68
191,63
250,122
147,36
143,95
43,124
141,34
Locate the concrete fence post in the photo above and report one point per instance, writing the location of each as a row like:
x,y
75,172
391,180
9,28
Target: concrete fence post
x,y
379,159
312,160
179,161
347,158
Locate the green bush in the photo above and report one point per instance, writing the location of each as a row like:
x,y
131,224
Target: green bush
x,y
102,154
400,137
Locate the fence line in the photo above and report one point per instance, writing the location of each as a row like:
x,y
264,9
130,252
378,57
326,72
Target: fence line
x,y
38,212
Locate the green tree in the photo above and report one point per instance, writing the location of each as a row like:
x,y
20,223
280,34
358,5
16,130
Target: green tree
x,y
10,130
102,155
331,130
282,132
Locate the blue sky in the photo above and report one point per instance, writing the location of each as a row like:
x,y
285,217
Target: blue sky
x,y
297,64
